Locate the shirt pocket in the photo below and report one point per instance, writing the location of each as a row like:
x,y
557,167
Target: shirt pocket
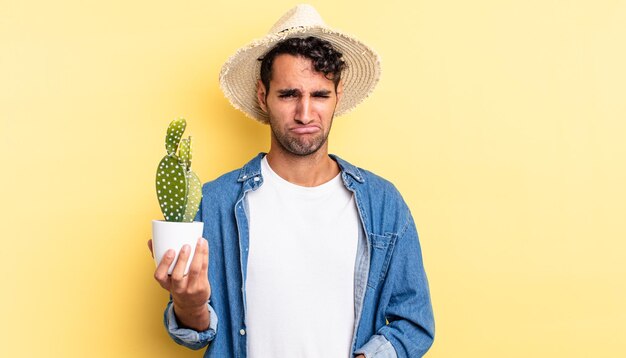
x,y
382,249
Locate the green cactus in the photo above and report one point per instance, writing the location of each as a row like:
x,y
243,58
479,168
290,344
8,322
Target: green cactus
x,y
178,188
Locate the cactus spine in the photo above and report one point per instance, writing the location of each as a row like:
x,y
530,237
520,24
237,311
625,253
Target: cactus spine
x,y
178,188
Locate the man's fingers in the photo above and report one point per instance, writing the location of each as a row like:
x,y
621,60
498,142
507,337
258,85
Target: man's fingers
x,y
150,247
196,263
205,257
179,269
199,265
160,274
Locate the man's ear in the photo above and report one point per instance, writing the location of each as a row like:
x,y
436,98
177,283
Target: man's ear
x,y
261,94
339,91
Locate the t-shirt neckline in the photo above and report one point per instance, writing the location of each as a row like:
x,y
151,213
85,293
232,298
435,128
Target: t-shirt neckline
x,y
269,173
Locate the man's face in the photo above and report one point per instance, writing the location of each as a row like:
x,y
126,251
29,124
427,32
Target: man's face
x,y
300,104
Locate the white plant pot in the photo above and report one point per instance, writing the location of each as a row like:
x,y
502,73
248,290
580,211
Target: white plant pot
x,y
173,235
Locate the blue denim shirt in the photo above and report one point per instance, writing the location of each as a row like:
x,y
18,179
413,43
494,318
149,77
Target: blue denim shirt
x,y
393,313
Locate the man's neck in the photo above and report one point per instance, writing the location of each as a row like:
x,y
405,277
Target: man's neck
x,y
311,170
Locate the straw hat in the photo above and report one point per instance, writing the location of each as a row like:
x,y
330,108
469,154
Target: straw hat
x,y
239,75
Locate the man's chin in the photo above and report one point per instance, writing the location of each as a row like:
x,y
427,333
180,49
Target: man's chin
x,y
305,150
301,146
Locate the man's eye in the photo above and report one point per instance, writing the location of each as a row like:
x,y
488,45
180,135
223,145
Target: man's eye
x,y
321,95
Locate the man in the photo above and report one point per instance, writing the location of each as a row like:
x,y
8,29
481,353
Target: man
x,y
309,255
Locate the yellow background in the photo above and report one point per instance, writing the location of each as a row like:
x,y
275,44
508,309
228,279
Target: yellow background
x,y
501,122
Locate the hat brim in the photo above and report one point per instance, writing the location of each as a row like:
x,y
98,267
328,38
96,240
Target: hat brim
x,y
240,73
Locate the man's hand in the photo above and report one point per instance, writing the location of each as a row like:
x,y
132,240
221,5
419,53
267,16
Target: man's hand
x,y
360,356
190,292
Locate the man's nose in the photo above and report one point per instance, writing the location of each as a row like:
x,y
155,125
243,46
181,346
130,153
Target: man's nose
x,y
304,113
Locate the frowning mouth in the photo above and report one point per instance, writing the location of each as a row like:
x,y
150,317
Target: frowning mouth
x,y
305,129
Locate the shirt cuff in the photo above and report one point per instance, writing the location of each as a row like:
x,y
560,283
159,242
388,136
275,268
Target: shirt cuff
x,y
189,337
377,347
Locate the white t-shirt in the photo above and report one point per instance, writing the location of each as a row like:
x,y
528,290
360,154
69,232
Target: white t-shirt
x,y
300,279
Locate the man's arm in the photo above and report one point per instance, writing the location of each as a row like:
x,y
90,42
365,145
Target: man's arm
x,y
411,328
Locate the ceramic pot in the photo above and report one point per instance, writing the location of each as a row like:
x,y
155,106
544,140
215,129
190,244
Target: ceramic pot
x,y
173,235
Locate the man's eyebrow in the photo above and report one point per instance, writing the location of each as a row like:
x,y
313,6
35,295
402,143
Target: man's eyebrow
x,y
322,93
288,92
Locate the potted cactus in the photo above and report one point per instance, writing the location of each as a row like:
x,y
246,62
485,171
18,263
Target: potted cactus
x,y
179,191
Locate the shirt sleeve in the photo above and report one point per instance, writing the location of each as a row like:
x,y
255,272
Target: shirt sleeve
x,y
379,347
410,330
189,337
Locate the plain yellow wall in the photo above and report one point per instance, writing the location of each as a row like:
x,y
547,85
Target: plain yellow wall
x,y
501,122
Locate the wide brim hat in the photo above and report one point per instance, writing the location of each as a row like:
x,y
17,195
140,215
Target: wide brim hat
x,y
240,73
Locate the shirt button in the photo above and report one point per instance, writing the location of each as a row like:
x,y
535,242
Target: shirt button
x,y
242,332
256,179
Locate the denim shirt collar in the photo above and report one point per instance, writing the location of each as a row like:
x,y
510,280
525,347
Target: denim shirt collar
x,y
348,169
252,169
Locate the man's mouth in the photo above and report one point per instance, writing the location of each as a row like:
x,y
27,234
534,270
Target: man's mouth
x,y
305,129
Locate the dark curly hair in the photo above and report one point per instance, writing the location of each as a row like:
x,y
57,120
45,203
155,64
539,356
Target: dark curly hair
x,y
326,59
